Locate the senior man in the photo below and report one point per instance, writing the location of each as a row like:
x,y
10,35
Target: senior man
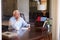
x,y
17,23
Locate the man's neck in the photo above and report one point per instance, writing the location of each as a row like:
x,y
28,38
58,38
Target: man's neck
x,y
17,19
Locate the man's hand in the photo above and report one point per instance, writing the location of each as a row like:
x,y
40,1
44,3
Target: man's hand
x,y
29,27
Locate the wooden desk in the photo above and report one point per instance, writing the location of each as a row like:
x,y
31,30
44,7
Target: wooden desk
x,y
37,36
15,36
47,36
34,35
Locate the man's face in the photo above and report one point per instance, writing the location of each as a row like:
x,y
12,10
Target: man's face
x,y
17,15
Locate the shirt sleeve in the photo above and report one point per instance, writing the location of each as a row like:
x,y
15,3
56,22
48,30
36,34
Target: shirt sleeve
x,y
11,24
24,23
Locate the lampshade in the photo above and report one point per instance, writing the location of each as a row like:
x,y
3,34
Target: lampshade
x,y
41,7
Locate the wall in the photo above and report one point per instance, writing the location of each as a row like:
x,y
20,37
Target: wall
x,y
58,21
23,6
8,6
53,11
0,20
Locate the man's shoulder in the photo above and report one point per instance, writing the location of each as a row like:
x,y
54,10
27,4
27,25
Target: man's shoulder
x,y
21,18
11,18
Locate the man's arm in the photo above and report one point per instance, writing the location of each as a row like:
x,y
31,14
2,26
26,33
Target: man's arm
x,y
25,24
11,25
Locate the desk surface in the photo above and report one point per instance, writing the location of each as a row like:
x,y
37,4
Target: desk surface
x,y
32,35
37,35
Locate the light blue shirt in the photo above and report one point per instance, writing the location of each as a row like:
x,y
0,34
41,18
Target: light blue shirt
x,y
18,25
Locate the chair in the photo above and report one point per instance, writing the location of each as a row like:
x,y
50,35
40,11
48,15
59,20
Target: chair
x,y
4,28
22,15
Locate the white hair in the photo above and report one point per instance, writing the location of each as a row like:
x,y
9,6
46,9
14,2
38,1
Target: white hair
x,y
14,12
